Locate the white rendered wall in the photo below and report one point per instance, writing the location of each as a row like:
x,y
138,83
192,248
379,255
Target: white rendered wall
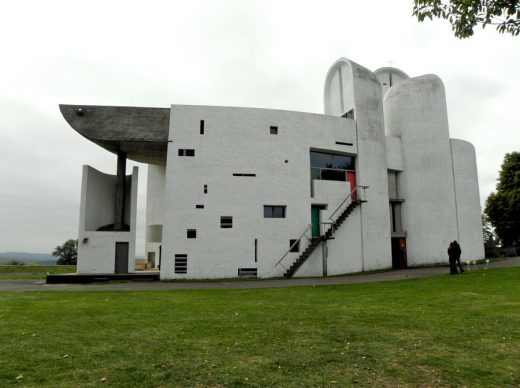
x,y
415,111
238,140
468,200
361,91
96,250
154,208
390,76
394,153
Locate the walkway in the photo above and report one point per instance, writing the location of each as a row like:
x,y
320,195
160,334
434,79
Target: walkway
x,y
413,273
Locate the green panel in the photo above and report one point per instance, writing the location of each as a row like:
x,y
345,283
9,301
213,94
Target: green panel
x,y
315,220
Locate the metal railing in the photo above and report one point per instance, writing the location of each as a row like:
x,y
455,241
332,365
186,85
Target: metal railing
x,y
292,246
279,262
317,172
354,190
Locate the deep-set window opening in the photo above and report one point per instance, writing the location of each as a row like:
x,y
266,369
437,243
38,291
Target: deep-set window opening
x,y
273,130
243,174
181,264
274,211
191,233
202,127
296,247
186,152
226,222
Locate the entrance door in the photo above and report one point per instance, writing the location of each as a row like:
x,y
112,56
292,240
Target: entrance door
x,y
399,259
315,221
121,257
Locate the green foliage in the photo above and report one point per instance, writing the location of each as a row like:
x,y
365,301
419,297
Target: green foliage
x,y
490,237
67,253
464,15
444,331
15,262
503,206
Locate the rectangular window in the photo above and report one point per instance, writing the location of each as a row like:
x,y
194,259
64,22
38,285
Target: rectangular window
x,y
241,174
186,152
256,250
202,127
274,211
296,247
199,206
273,130
329,166
342,143
181,264
191,233
226,222
247,272
205,189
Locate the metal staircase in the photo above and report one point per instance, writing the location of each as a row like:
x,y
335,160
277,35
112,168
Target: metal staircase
x,y
315,242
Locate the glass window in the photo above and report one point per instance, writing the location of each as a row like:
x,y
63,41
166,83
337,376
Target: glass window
x,y
343,162
226,222
321,159
274,211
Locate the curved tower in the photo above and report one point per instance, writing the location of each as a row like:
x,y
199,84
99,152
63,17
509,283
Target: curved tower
x,y
415,112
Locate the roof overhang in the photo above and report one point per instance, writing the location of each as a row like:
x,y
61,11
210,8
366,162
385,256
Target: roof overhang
x,y
140,132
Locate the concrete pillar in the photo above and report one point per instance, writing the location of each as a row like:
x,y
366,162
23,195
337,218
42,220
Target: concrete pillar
x,y
119,208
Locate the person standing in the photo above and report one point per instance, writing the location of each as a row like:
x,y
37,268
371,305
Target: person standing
x,y
452,258
458,251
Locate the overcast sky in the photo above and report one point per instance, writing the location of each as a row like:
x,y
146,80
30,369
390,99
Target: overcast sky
x,y
267,54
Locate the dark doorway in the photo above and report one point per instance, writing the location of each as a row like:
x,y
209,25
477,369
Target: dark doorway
x,y
399,259
121,257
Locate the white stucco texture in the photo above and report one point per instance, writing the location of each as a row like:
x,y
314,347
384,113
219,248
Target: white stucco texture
x,y
96,249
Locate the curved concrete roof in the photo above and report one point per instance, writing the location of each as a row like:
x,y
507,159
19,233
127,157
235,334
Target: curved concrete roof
x,y
140,132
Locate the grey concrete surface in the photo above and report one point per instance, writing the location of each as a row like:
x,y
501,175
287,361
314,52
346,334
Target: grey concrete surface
x,y
413,273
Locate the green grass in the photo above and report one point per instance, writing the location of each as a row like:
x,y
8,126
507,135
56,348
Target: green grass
x,y
9,272
441,331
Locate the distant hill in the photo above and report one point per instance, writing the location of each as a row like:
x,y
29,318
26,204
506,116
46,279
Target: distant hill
x,y
40,258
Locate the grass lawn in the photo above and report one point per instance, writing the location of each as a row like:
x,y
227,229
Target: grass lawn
x,y
33,271
441,331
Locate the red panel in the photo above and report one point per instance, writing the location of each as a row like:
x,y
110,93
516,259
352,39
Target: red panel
x,y
351,177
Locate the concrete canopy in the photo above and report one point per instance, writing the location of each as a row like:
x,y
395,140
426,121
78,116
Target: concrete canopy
x,y
140,132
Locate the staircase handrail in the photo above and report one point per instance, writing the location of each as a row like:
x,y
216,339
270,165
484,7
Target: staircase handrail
x,y
293,245
348,196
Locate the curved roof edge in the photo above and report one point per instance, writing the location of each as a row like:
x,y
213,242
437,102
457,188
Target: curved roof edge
x,y
140,132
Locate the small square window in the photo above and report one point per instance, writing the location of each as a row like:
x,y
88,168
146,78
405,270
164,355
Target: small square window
x,y
181,152
296,247
191,233
273,130
226,222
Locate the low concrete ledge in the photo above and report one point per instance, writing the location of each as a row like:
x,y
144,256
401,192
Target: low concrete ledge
x,y
93,278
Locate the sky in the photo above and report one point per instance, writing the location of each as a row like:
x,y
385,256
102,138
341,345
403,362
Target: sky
x,y
265,54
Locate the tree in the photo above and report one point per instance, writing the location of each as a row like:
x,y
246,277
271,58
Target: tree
x,y
67,253
464,15
490,238
503,207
